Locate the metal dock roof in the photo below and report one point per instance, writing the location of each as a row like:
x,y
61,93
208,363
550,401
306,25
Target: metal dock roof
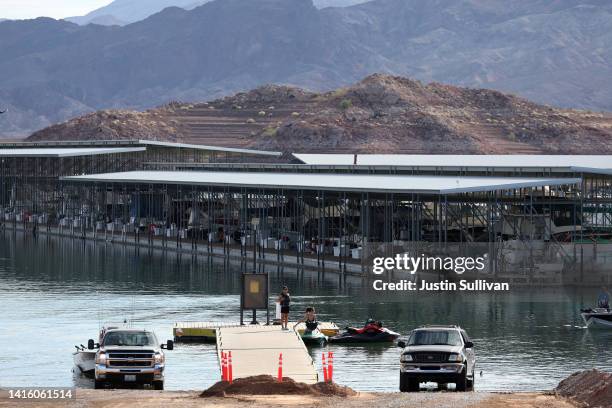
x,y
67,151
125,143
333,182
211,148
577,163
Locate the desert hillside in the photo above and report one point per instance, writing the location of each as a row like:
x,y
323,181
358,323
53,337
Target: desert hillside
x,y
381,113
550,52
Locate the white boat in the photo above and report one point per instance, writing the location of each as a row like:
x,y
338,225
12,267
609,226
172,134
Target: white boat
x,y
597,318
85,360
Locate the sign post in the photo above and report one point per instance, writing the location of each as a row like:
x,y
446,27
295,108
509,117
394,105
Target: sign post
x,y
254,295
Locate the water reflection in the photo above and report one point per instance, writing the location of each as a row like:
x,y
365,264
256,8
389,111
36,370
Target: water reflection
x,y
56,292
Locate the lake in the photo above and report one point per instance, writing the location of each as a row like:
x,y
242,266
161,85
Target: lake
x,y
56,292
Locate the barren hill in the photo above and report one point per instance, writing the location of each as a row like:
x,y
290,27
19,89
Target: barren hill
x,y
383,114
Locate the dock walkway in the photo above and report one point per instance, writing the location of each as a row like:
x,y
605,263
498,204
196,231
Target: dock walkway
x,y
255,351
207,331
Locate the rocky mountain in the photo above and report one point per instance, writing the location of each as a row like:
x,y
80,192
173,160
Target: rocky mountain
x,y
380,114
122,12
553,52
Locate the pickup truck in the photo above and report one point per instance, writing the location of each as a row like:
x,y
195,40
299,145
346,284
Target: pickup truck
x,y
129,356
440,354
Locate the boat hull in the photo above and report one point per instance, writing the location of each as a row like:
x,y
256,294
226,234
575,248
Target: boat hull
x,y
85,361
597,319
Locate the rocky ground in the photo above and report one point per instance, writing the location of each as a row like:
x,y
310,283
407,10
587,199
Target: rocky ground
x,y
166,399
591,388
380,114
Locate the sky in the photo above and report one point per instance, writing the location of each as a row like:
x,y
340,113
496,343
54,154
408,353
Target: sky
x,y
23,9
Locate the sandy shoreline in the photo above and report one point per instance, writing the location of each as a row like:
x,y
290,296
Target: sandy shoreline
x,y
159,399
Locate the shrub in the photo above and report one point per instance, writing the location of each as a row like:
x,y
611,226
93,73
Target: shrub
x,y
345,104
270,131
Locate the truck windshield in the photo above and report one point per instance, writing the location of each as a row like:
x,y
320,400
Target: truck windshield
x,y
131,338
435,337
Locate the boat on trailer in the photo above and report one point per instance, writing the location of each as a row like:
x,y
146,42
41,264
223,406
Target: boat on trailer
x,y
598,318
85,360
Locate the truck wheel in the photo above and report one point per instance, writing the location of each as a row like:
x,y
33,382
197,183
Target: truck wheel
x,y
98,384
462,382
158,385
470,384
408,384
413,385
403,383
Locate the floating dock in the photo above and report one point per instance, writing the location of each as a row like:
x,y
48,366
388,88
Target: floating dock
x,y
207,331
255,351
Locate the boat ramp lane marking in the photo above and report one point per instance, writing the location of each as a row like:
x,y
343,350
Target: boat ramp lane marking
x,y
255,351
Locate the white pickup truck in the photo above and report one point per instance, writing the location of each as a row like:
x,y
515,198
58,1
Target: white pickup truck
x,y
129,356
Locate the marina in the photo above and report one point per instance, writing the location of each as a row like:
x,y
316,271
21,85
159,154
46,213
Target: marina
x,y
66,287
536,220
306,204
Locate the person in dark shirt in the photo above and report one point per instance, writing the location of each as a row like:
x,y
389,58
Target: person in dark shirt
x,y
284,298
309,319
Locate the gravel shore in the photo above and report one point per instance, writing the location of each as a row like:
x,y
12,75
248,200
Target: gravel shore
x,y
170,399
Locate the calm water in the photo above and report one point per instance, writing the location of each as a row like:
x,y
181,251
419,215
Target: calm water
x,y
54,293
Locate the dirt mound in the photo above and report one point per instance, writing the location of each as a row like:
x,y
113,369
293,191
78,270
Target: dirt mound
x,y
592,388
267,385
333,389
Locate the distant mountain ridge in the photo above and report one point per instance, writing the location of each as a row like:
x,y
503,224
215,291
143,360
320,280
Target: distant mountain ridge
x,y
555,52
122,12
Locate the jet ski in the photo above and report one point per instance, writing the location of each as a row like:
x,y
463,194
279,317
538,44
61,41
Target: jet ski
x,y
312,334
372,332
313,337
598,318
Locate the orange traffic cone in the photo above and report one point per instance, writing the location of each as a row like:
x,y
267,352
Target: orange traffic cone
x,y
324,367
223,367
330,367
280,367
230,369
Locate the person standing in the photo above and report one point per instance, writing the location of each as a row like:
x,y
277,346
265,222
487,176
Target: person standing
x,y
603,300
284,298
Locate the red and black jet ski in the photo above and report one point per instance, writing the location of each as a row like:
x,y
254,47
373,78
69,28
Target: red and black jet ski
x,y
372,332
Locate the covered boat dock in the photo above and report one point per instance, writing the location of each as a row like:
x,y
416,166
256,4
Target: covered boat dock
x,y
341,221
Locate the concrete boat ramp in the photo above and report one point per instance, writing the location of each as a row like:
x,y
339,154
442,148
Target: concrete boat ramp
x,y
256,348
